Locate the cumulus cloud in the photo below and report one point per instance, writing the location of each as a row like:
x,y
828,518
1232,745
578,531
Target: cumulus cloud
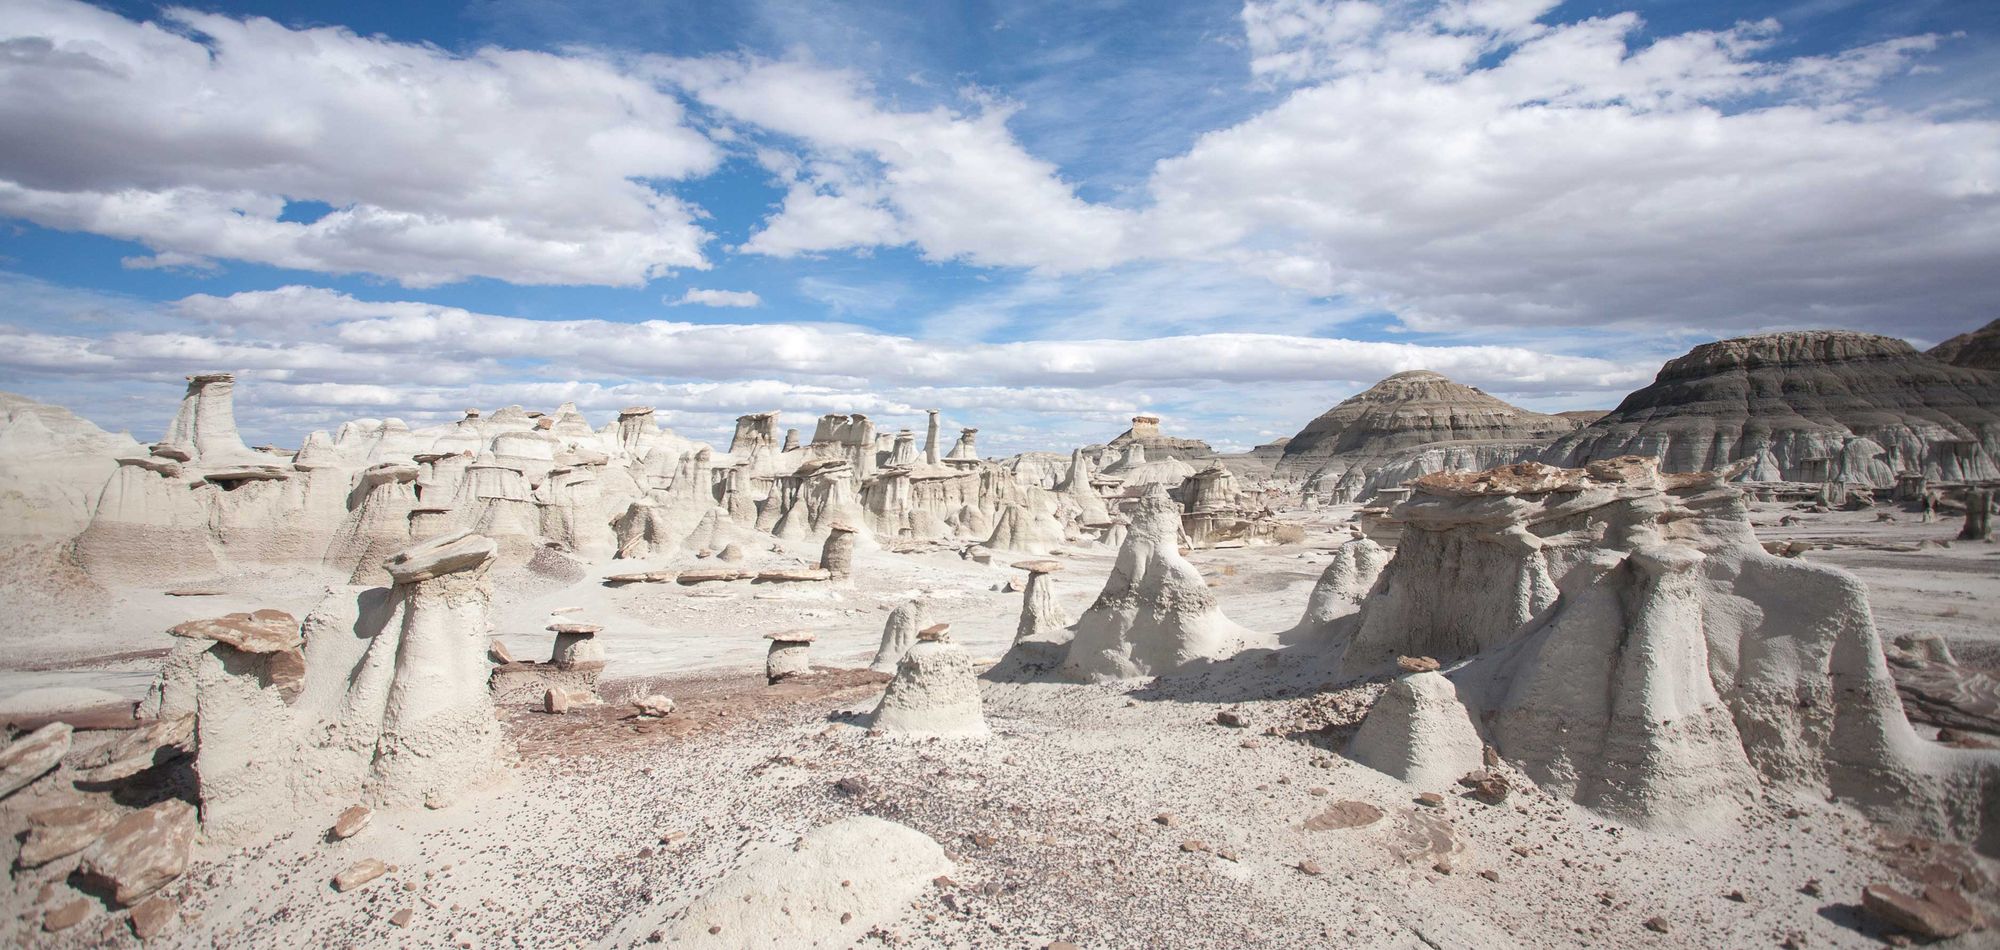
x,y
313,356
717,298
955,184
1465,165
192,134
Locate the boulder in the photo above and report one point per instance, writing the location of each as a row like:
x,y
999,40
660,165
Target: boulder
x,y
142,851
32,756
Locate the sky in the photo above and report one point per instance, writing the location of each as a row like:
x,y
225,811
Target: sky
x,y
1039,217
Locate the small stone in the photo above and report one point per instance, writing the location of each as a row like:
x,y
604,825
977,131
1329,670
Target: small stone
x,y
152,916
855,785
1811,888
556,701
1232,719
1250,744
981,839
351,822
1310,868
1443,866
716,929
359,873
498,652
1319,791
401,917
1738,897
1431,800
654,706
1488,787
1194,844
1226,854
1657,925
1167,818
66,916
1490,875
1417,664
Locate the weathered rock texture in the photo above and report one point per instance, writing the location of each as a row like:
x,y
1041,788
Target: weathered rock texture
x,y
392,709
898,634
1146,431
1411,424
1811,406
1419,732
52,466
935,693
1155,614
829,889
1628,643
1975,349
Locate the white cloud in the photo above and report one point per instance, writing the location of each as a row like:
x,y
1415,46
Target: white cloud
x,y
313,356
717,298
957,185
190,135
1466,167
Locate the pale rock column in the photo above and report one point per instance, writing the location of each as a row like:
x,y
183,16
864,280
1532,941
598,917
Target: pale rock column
x,y
935,692
438,732
898,634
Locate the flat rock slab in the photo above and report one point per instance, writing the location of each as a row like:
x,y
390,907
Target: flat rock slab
x,y
691,578
796,574
1938,913
32,756
64,830
644,577
1344,814
143,851
260,631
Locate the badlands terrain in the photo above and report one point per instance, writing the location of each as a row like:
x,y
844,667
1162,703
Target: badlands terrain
x,y
1715,667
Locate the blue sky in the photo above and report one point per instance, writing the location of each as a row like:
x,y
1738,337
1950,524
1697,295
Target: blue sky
x,y
1041,217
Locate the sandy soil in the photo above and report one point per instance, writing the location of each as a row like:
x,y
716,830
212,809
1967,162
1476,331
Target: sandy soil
x,y
1105,816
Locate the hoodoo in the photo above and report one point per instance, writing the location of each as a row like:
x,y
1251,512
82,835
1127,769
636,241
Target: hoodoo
x,y
1155,613
1620,635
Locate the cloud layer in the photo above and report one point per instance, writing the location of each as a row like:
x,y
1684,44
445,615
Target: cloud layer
x,y
195,134
311,357
1463,163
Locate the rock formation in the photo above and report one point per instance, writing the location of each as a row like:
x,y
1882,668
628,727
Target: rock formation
x,y
1042,614
1811,406
1410,424
898,634
1973,349
389,707
967,447
935,692
52,466
1620,635
1145,431
1347,580
1419,732
1155,614
790,654
830,888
